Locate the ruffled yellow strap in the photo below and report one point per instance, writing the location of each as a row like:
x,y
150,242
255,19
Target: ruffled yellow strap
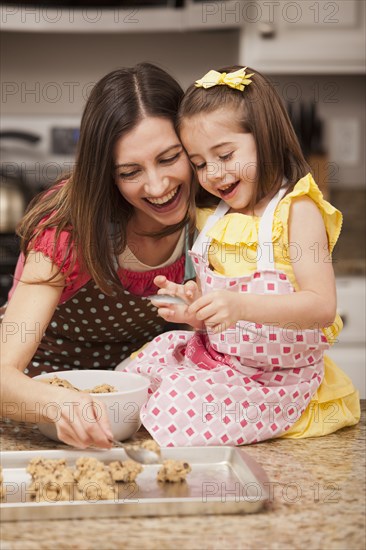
x,y
239,229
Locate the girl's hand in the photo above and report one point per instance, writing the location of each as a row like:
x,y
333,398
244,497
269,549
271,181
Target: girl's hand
x,y
219,310
81,420
178,313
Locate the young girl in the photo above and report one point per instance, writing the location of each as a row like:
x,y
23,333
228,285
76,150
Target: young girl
x,y
266,300
91,248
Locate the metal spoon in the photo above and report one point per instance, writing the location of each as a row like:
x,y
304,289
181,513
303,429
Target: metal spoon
x,y
166,299
138,454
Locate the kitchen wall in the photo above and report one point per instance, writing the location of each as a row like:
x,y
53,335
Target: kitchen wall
x,y
51,74
349,257
340,103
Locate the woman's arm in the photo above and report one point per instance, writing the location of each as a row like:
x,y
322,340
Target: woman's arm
x,y
313,306
26,318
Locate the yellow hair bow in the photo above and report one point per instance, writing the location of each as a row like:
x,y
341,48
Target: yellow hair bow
x,y
237,80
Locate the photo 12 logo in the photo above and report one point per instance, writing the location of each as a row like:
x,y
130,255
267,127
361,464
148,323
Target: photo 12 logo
x,y
67,15
271,491
271,11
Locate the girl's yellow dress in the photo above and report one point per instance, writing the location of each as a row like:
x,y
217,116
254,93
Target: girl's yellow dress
x,y
233,252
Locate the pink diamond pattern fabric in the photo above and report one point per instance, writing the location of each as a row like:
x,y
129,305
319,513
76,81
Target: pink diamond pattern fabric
x,y
247,384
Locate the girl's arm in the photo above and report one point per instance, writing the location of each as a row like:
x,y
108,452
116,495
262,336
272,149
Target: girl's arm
x,y
26,318
313,306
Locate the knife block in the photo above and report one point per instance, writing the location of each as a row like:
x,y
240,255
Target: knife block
x,y
319,165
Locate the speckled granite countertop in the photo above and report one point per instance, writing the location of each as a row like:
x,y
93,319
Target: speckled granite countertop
x,y
317,502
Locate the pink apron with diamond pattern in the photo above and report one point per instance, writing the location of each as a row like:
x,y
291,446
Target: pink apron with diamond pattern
x,y
247,384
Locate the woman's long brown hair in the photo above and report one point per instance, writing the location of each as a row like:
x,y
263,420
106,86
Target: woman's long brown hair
x,y
258,110
88,205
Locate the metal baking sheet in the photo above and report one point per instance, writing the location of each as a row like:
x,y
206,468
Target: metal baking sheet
x,y
223,480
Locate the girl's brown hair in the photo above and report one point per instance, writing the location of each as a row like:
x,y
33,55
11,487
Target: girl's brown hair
x,y
258,110
88,204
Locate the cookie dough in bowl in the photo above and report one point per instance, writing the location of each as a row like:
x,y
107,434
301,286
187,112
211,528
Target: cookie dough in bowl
x,y
123,405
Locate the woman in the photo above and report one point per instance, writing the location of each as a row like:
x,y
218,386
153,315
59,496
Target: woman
x,y
91,247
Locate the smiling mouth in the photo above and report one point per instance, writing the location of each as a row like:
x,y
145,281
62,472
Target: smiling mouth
x,y
166,199
228,188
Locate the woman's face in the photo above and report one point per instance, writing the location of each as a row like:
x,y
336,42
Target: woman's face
x,y
153,173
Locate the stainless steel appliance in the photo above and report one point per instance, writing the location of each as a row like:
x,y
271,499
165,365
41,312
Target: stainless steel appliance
x,y
14,192
15,195
35,151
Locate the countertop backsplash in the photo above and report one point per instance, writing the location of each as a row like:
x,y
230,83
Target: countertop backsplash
x,y
349,257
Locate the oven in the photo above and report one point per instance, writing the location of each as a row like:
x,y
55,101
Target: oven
x,y
35,152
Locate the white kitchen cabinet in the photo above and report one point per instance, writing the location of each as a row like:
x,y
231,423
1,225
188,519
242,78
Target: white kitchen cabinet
x,y
194,16
48,19
352,360
304,36
349,352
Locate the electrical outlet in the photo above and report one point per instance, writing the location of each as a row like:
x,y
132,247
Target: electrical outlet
x,y
345,139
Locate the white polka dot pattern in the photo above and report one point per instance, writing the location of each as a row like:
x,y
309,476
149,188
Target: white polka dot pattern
x,y
93,330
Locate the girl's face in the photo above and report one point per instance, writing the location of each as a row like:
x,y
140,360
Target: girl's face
x,y
152,172
224,157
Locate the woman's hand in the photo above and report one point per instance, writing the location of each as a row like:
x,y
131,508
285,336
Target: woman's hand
x,y
219,310
189,292
80,420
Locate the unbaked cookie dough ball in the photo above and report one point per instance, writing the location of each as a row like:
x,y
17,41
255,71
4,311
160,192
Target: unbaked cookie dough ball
x,y
56,381
102,388
150,445
94,479
52,480
125,471
173,471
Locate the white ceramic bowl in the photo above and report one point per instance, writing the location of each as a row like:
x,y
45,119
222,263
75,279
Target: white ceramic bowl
x,y
123,406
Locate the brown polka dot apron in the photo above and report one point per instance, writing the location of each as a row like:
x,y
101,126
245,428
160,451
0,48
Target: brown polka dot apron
x,y
244,385
93,330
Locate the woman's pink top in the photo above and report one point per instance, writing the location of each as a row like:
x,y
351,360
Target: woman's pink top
x,y
138,283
